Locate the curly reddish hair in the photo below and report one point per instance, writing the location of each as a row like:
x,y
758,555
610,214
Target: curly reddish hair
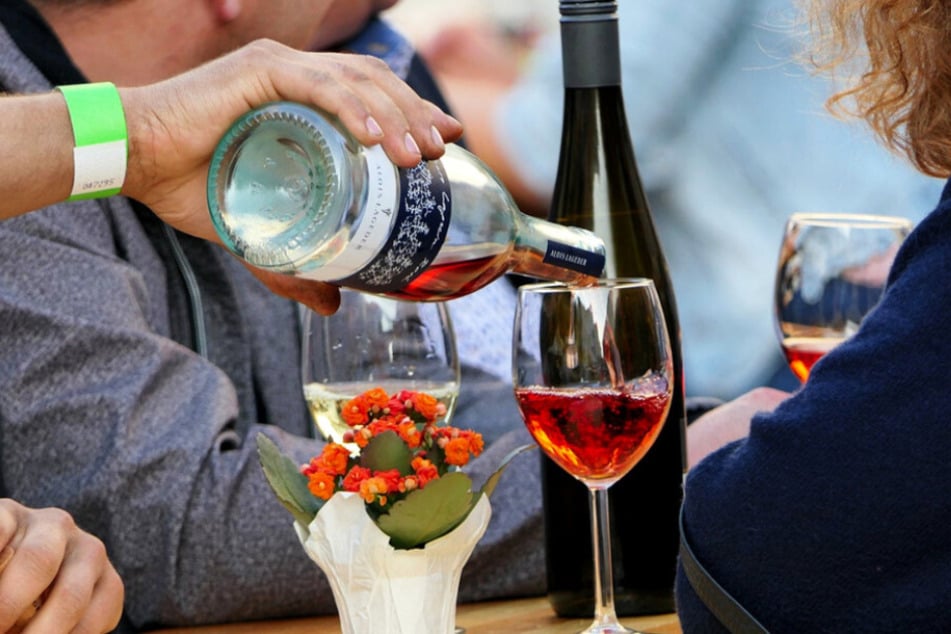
x,y
896,55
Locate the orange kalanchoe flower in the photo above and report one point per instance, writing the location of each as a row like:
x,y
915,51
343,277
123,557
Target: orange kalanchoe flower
x,y
321,484
426,405
356,475
384,477
408,484
425,470
374,490
380,425
365,407
457,451
335,458
362,437
377,398
355,413
476,444
392,479
409,433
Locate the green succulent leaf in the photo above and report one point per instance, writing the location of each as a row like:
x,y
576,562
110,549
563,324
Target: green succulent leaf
x,y
493,480
387,451
288,483
428,513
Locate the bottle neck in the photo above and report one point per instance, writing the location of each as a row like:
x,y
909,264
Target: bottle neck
x,y
551,251
590,46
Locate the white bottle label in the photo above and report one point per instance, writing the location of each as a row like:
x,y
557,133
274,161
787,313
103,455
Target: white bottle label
x,y
416,234
368,237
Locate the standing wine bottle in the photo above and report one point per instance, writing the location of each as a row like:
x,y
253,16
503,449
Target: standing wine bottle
x,y
290,190
599,188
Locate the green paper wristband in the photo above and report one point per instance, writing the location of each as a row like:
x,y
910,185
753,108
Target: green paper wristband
x,y
101,138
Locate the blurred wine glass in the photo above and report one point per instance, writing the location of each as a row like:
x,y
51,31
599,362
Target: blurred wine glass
x,y
374,341
832,271
593,378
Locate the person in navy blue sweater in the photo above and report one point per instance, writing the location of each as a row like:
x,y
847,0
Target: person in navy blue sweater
x,y
829,510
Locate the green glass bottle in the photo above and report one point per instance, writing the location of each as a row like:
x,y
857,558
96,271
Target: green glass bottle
x,y
599,188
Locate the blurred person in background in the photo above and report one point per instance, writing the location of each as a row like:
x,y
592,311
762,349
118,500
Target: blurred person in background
x,y
828,510
55,576
144,358
731,138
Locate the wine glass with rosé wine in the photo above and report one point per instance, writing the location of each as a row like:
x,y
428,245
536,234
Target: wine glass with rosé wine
x,y
593,377
831,273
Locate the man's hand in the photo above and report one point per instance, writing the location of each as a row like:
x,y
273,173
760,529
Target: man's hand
x,y
175,125
54,577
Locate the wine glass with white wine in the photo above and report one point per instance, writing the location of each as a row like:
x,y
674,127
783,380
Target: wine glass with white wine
x,y
374,341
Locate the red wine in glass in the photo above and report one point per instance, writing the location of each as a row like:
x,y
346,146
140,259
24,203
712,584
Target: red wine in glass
x,y
593,378
803,352
831,273
594,434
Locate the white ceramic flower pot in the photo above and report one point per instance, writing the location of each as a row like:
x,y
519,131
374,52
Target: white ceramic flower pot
x,y
379,589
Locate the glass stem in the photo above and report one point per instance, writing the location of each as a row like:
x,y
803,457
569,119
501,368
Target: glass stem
x,y
603,572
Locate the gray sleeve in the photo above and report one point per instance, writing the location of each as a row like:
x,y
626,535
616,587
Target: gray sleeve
x,y
104,415
131,432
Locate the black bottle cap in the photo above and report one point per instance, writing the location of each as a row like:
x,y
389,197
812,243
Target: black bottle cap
x,y
589,42
582,8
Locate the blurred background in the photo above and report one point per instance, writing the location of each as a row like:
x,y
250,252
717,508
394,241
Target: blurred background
x,y
731,135
422,19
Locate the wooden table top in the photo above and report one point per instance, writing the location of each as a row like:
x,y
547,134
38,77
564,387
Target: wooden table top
x,y
498,617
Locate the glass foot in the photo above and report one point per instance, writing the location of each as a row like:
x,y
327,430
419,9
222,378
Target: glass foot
x,y
599,627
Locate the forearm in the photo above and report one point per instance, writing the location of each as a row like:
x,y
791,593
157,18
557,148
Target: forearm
x,y
36,165
174,125
729,422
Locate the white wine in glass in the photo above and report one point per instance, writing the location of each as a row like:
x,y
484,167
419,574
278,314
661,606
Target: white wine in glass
x,y
374,341
325,400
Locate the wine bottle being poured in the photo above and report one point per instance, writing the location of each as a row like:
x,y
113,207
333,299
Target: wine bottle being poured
x,y
290,190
